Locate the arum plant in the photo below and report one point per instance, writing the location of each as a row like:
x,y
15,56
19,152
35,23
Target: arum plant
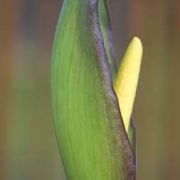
x,y
92,101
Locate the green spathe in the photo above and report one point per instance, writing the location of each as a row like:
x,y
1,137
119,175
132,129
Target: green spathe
x,y
91,136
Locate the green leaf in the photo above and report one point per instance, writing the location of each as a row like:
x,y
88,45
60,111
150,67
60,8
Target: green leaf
x,y
91,136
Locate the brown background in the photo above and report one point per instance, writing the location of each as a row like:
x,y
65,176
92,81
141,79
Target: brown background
x,y
28,148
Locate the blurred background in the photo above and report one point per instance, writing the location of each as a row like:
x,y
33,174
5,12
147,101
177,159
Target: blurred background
x,y
28,149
